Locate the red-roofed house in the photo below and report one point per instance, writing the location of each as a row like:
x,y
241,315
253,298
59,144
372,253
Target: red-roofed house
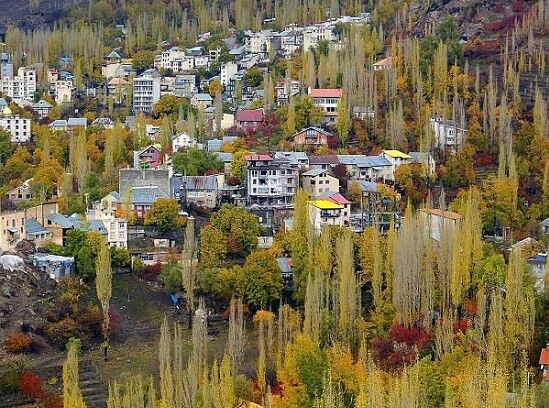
x,y
249,119
327,100
380,65
313,136
339,199
544,362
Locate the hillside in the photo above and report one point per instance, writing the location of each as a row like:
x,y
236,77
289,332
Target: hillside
x,y
19,12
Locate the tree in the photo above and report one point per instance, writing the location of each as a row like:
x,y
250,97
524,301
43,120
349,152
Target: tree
x,y
164,214
239,227
258,282
6,146
196,162
253,77
168,105
213,247
142,60
103,286
188,270
72,397
342,121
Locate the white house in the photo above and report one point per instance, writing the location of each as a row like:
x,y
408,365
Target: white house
x,y
182,141
21,86
228,72
63,91
382,64
327,100
325,212
447,133
18,127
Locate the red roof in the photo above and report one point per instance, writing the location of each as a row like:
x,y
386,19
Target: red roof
x,y
338,199
384,62
258,157
441,213
249,115
326,93
544,357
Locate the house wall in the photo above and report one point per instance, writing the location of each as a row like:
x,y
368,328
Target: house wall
x,y
316,186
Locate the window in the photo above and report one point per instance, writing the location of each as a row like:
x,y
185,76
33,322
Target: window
x,y
147,257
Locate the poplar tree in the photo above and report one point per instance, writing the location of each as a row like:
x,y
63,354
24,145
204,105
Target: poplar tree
x,y
236,335
72,396
342,120
188,270
103,286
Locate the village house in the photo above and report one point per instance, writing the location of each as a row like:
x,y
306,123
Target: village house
x,y
121,70
396,158
327,100
425,159
228,72
270,182
298,160
447,134
382,64
19,128
117,87
182,141
313,137
371,168
63,91
22,86
545,226
324,162
20,193
106,123
249,119
544,362
339,199
13,225
439,220
201,100
148,158
185,85
116,228
316,182
202,191
286,88
42,108
325,212
151,183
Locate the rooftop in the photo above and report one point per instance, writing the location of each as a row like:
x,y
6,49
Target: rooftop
x,y
326,93
397,154
324,204
442,213
249,115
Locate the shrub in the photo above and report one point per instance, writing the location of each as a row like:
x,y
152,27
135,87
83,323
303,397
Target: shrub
x,y
31,385
60,332
412,336
461,326
52,401
18,342
9,381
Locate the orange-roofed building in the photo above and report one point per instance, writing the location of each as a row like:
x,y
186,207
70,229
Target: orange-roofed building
x,y
440,220
327,100
380,65
544,362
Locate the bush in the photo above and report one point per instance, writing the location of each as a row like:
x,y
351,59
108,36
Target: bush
x,y
52,401
60,332
18,342
120,257
31,385
9,381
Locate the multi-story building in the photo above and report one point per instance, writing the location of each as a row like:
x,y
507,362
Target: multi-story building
x,y
270,182
22,86
228,72
42,108
447,133
20,193
371,168
146,91
259,42
315,33
325,212
18,127
13,225
327,100
6,65
185,85
201,100
313,137
63,91
117,228
317,182
182,141
284,89
202,191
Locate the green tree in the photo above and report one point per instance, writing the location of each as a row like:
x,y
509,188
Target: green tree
x,y
6,146
72,396
103,287
168,105
213,247
258,282
342,120
239,227
142,60
196,162
253,77
164,214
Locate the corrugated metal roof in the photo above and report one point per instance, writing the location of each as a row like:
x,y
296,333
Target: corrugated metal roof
x,y
146,195
34,227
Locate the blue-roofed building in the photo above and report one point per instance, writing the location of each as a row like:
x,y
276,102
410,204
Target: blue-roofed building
x,y
296,159
538,263
36,233
361,167
545,226
202,191
144,197
55,266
